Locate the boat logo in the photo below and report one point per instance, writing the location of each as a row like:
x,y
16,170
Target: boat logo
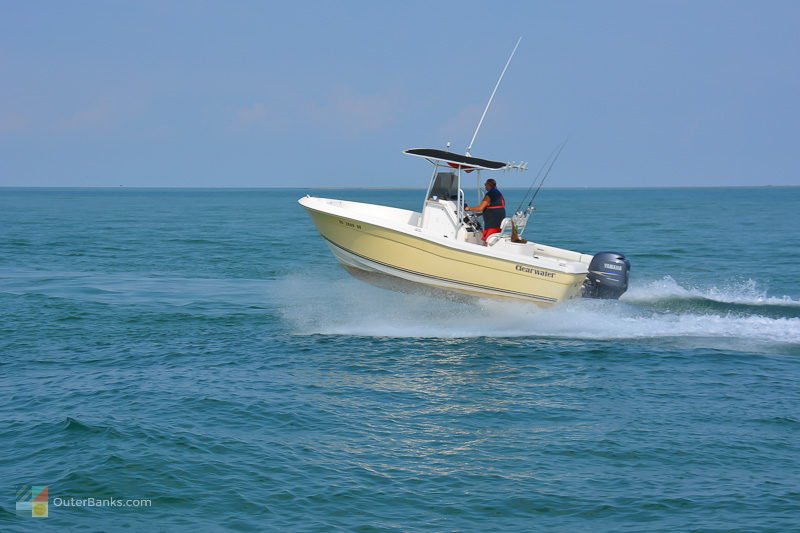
x,y
613,267
535,271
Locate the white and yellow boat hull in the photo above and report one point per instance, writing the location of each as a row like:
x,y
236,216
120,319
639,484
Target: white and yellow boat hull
x,y
381,244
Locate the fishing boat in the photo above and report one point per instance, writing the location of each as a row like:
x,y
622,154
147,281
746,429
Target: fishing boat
x,y
441,250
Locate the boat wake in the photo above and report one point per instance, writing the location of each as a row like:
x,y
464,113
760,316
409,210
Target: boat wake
x,y
662,309
744,297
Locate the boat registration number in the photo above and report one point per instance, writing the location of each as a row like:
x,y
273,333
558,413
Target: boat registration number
x,y
349,224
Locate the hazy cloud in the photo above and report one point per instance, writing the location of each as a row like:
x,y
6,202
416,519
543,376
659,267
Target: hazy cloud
x,y
14,123
99,116
352,111
253,115
459,128
340,109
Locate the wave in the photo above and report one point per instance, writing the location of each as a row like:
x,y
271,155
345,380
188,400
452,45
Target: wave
x,y
743,298
348,307
745,293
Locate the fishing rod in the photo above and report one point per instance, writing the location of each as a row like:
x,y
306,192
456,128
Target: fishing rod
x,y
551,159
535,179
553,162
520,219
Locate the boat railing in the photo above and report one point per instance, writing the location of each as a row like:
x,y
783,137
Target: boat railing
x,y
460,208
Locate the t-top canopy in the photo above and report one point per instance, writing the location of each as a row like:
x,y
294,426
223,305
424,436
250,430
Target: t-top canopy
x,y
456,159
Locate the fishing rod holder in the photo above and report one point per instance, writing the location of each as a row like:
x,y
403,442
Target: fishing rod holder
x,y
522,165
519,219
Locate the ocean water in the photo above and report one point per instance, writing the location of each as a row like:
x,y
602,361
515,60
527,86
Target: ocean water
x,y
202,349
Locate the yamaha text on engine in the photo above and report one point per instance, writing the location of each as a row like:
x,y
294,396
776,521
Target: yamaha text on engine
x,y
608,276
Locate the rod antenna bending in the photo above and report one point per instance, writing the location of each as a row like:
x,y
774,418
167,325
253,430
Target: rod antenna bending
x,y
469,148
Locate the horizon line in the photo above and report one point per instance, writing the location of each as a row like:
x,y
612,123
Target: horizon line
x,y
328,188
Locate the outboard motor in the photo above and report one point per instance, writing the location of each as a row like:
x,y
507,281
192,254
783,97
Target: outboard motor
x,y
608,276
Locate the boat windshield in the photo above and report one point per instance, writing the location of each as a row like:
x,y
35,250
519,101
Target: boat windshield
x,y
445,186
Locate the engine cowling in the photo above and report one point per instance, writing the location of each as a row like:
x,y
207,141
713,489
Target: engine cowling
x,y
608,276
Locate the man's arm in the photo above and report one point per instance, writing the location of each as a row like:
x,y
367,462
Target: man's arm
x,y
486,201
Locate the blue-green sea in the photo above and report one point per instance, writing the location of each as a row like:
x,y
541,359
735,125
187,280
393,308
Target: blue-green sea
x,y
202,349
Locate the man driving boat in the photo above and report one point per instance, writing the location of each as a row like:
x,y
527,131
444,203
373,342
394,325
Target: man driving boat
x,y
493,209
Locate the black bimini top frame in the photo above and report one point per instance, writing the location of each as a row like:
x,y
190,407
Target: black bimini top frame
x,y
456,159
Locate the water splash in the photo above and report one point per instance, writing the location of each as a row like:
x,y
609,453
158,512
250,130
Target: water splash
x,y
745,293
348,307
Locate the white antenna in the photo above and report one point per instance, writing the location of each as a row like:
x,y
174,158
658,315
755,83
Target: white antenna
x,y
469,148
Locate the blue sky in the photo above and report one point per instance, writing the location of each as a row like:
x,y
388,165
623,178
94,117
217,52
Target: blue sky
x,y
256,94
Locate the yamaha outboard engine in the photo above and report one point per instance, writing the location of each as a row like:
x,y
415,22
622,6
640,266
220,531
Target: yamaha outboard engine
x,y
608,276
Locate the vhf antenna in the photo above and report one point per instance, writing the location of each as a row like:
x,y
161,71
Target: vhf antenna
x,y
469,148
